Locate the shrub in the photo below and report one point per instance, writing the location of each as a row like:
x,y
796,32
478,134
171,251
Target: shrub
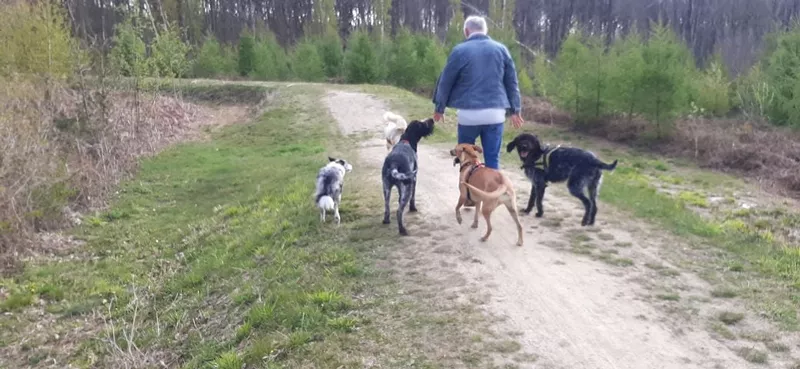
x,y
330,50
581,68
307,63
404,63
431,61
783,75
169,55
711,90
360,60
247,54
212,60
663,83
129,53
627,65
525,83
36,39
753,94
271,62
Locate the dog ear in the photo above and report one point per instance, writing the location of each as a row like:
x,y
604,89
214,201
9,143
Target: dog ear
x,y
477,148
511,146
331,159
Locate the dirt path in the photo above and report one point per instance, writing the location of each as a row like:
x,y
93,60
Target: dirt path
x,y
570,310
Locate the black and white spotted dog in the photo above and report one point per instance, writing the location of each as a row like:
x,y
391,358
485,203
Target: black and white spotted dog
x,y
330,182
400,170
581,169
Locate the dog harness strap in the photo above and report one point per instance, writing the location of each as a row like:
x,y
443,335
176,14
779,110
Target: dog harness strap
x,y
469,174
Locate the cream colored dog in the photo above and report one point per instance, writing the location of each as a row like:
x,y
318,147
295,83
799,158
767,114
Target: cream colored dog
x,y
395,126
487,187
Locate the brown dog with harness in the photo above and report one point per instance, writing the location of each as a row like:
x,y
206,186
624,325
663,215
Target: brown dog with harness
x,y
487,187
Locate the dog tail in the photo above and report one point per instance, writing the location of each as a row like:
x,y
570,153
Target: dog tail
x,y
402,176
326,203
607,166
487,195
392,117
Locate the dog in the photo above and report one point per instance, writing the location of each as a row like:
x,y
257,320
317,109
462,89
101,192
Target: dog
x,y
395,126
330,183
581,169
487,187
400,170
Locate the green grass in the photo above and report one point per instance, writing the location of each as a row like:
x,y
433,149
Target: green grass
x,y
214,256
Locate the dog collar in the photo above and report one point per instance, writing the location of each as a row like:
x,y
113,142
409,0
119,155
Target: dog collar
x,y
406,141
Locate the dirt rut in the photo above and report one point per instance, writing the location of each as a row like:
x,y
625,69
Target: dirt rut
x,y
570,310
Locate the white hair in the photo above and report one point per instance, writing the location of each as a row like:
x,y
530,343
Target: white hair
x,y
475,24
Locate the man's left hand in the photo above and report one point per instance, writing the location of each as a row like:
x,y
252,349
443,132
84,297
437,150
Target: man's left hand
x,y
517,120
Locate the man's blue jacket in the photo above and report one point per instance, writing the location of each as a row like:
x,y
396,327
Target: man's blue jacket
x,y
479,74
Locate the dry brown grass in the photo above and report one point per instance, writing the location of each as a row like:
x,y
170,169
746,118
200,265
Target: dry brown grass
x,y
753,149
63,149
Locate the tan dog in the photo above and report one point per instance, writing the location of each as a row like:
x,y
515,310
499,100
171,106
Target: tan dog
x,y
487,187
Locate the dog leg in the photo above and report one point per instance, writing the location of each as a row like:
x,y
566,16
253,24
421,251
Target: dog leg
x,y
487,212
511,205
402,202
336,215
540,187
413,207
576,189
477,213
387,193
322,215
531,200
460,203
593,186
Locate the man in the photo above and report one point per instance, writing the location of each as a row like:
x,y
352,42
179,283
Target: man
x,y
480,80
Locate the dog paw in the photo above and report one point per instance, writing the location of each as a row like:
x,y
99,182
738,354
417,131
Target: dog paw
x,y
412,210
474,225
386,221
483,239
539,215
403,232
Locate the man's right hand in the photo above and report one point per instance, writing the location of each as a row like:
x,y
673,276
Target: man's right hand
x,y
438,117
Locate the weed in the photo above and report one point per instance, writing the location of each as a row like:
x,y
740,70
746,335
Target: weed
x,y
605,236
777,346
753,355
668,297
228,360
722,331
723,292
693,199
729,317
16,301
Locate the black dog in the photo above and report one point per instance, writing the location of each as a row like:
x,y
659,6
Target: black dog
x,y
580,168
400,169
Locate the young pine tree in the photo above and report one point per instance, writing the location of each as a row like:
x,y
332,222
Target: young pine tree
x,y
431,56
212,60
169,55
307,63
360,60
271,62
664,81
626,67
404,62
783,76
129,53
247,54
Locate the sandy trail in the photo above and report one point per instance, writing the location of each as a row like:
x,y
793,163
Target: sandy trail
x,y
569,310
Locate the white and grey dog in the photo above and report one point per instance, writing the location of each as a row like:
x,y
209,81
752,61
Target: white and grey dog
x,y
395,126
330,182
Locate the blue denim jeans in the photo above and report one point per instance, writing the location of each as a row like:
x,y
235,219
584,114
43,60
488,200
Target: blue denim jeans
x,y
491,140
